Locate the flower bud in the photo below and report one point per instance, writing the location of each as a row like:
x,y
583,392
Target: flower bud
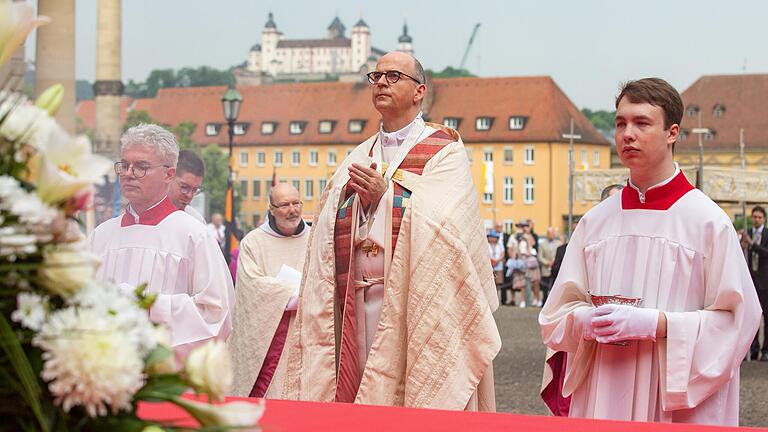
x,y
50,99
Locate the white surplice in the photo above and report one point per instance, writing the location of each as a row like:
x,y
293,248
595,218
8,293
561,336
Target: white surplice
x,y
678,251
179,260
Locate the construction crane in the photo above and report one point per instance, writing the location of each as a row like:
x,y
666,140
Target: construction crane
x,y
469,46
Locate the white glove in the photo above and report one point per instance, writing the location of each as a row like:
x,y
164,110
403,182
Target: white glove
x,y
583,317
613,323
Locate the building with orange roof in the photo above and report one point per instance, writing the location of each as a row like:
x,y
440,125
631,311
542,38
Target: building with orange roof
x,y
302,131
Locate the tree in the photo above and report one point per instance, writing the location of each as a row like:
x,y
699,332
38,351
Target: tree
x,y
601,119
216,173
450,72
137,117
185,77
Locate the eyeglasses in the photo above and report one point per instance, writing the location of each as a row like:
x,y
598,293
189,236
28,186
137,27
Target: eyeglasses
x,y
284,206
138,171
392,76
187,189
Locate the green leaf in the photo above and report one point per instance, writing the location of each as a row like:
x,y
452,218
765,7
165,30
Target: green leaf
x,y
160,353
28,381
161,388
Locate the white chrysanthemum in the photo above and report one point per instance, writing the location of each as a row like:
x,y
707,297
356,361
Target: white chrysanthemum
x,y
8,186
132,320
30,209
89,361
32,310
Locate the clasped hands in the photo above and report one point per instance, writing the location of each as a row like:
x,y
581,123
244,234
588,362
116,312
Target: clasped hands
x,y
614,323
368,183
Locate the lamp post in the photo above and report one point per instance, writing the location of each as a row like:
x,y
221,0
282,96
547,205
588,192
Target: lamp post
x,y
570,137
700,131
231,103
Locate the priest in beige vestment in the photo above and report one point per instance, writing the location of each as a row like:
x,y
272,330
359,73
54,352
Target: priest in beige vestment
x,y
398,294
268,275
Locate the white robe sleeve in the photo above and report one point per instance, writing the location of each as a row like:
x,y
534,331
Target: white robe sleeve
x,y
560,331
704,348
205,312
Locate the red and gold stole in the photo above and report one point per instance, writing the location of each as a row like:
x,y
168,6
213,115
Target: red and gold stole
x,y
349,373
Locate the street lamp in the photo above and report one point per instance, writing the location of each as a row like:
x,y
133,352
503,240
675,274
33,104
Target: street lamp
x,y
231,103
570,137
700,131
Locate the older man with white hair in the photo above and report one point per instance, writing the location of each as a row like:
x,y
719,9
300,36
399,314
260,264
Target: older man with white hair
x,y
154,242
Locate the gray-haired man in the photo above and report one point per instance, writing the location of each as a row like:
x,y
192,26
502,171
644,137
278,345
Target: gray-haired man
x,y
154,242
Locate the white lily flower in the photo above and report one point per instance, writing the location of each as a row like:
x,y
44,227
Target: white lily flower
x,y
233,414
17,19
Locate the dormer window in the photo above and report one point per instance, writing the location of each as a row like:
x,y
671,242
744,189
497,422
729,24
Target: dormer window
x,y
710,136
268,128
483,123
326,126
452,122
718,110
692,110
517,122
240,128
212,129
356,126
683,134
297,127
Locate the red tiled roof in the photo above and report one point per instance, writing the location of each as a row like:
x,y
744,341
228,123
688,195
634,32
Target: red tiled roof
x,y
85,110
539,99
744,99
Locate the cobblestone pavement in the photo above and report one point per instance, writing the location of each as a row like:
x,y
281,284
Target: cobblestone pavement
x,y
519,365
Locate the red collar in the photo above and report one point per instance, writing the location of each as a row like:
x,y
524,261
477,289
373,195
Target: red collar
x,y
660,198
152,216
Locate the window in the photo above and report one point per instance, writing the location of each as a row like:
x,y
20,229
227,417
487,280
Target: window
x,y
469,154
488,156
584,159
683,134
517,122
268,128
529,155
313,157
483,123
349,152
528,196
321,184
309,189
243,187
452,122
718,110
296,183
278,158
261,158
487,198
356,126
269,186
296,127
332,157
709,136
256,189
509,190
596,158
509,226
243,158
212,129
509,155
240,129
692,110
295,157
256,219
326,126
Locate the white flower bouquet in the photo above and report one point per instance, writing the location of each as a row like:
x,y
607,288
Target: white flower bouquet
x,y
77,354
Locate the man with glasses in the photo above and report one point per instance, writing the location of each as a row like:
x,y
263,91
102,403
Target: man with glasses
x,y
189,179
268,274
153,242
396,306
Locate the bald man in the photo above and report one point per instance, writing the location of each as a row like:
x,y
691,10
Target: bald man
x,y
396,308
268,274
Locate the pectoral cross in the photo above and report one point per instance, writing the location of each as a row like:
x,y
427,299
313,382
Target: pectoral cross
x,y
372,249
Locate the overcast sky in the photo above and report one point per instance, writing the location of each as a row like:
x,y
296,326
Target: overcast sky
x,y
587,46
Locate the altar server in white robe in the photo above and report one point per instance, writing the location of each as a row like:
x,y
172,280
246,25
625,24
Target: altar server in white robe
x,y
669,244
153,241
